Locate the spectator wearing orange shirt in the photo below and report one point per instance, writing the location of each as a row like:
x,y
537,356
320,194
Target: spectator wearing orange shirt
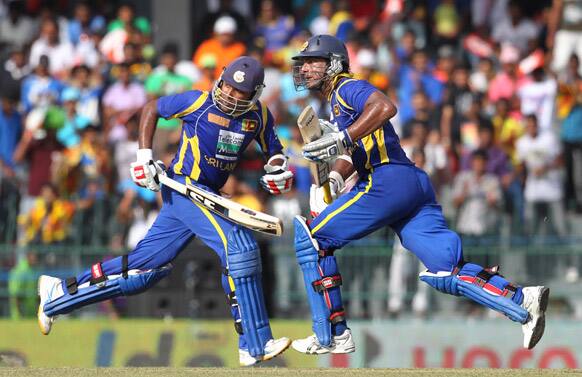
x,y
222,46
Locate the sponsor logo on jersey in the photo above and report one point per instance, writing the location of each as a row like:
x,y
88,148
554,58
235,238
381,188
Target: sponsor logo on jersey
x,y
336,110
221,121
228,145
220,165
249,125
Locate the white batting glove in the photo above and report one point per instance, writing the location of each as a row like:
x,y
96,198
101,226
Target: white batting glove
x,y
328,146
316,194
278,179
327,127
144,172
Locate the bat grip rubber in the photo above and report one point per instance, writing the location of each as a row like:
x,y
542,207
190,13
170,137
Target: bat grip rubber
x,y
327,193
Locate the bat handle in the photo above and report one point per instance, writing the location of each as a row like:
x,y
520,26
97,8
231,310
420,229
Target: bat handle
x,y
327,193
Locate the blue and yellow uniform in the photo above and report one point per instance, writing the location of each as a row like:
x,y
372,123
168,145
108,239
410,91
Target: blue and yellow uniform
x,y
211,145
391,192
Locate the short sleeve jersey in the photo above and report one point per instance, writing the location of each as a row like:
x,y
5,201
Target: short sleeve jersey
x,y
380,147
213,141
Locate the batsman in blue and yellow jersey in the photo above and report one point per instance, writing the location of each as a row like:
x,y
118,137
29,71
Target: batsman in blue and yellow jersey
x,y
391,191
217,127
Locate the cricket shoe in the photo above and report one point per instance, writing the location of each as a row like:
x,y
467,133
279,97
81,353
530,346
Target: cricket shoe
x,y
535,301
343,343
49,288
273,348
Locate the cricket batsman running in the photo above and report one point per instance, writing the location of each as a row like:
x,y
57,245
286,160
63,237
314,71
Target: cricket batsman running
x,y
390,191
217,127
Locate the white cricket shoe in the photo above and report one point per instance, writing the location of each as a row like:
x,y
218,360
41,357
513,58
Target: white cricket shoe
x,y
343,343
49,288
273,348
535,301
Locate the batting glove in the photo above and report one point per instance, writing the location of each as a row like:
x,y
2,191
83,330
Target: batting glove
x,y
278,179
328,147
316,194
144,172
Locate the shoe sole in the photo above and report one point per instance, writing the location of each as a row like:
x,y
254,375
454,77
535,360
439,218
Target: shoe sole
x,y
325,351
540,327
270,356
41,310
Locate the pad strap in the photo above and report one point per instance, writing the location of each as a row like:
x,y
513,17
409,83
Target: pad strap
x,y
327,282
124,264
337,316
97,274
71,284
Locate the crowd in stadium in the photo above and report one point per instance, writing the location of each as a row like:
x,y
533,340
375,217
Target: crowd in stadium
x,y
489,98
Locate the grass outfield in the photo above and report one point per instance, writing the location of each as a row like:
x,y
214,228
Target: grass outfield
x,y
212,372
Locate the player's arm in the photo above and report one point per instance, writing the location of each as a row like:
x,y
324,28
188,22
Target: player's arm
x,y
144,171
278,178
375,111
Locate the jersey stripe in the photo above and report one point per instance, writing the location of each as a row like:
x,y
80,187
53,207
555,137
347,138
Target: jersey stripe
x,y
381,142
191,142
219,230
369,143
344,206
193,107
339,98
183,149
264,117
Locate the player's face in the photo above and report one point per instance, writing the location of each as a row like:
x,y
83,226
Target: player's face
x,y
313,70
234,92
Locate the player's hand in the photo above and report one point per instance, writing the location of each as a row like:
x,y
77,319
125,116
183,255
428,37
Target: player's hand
x,y
144,172
317,197
327,127
278,179
328,146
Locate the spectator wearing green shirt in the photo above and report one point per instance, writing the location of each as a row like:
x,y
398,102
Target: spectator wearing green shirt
x,y
126,16
162,82
22,288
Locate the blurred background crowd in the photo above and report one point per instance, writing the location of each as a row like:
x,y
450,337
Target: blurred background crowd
x,y
489,98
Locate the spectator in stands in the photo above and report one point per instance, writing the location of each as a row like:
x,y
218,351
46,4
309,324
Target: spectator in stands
x,y
60,53
126,19
320,24
49,219
273,29
477,197
516,29
16,30
14,70
507,81
40,89
366,59
223,46
564,34
541,162
120,101
447,23
162,82
37,147
507,126
22,287
416,76
90,88
571,135
10,131
538,97
69,134
207,74
84,22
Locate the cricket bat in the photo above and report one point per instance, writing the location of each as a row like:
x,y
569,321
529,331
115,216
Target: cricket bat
x,y
230,210
308,124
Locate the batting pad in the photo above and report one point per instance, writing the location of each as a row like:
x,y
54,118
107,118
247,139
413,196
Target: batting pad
x,y
244,266
136,282
448,283
307,257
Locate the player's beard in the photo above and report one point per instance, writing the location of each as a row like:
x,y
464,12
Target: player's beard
x,y
310,81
